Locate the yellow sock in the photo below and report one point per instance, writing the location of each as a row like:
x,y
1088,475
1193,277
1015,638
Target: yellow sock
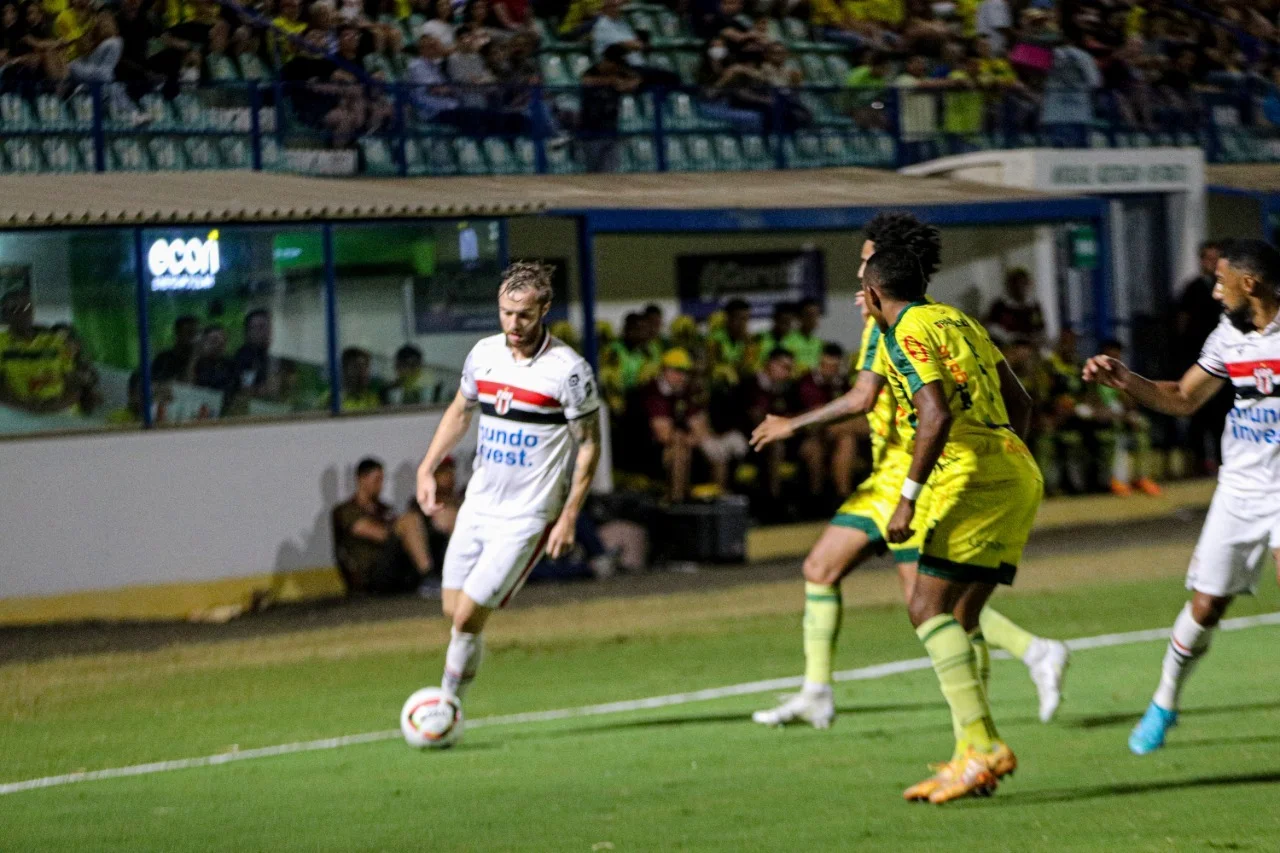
x,y
1003,634
956,666
822,611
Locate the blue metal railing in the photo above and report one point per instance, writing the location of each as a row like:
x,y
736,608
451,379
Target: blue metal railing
x,y
400,129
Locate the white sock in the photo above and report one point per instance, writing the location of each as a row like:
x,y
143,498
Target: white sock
x,y
461,662
1189,642
812,688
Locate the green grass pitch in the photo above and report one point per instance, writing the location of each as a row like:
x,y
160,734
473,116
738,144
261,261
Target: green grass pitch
x,y
698,776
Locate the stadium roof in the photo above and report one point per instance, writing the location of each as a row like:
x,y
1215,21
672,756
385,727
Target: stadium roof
x,y
132,198
1246,179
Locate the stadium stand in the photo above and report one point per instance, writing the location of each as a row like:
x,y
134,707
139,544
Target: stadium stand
x,y
415,89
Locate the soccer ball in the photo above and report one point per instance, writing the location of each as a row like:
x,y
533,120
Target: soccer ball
x,y
431,719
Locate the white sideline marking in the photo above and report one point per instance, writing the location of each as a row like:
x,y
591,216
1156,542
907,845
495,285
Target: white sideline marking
x,y
865,673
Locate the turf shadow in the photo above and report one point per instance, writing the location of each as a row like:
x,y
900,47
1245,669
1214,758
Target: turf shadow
x,y
1102,721
1222,741
1093,792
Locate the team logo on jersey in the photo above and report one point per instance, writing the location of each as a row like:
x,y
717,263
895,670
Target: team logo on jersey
x,y
1265,378
915,349
502,400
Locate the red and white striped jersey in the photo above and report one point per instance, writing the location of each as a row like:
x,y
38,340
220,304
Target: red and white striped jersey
x,y
525,453
1251,440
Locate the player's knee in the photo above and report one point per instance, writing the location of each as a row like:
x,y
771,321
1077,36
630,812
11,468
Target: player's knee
x,y
818,570
1208,610
920,609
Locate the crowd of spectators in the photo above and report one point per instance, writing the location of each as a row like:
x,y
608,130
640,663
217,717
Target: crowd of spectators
x,y
958,66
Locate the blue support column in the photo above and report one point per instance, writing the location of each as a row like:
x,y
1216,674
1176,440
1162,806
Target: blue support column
x,y
144,325
331,320
1102,285
587,290
99,130
255,126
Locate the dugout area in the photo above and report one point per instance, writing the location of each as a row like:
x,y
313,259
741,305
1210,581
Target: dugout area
x,y
599,226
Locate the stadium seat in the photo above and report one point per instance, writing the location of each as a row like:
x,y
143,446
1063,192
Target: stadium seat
x,y
702,157
837,68
815,70
165,154
21,155
59,155
677,156
378,158
200,153
729,154
774,29
560,161
663,61
153,106
126,155
670,28
629,118
81,110
578,64
688,64
756,152
236,154
470,160
795,31
188,113
414,159
15,112
554,72
85,146
438,156
679,114
51,113
498,154
642,20
836,151
639,155
526,155
803,151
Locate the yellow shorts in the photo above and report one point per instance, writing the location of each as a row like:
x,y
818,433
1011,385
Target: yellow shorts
x,y
985,497
871,506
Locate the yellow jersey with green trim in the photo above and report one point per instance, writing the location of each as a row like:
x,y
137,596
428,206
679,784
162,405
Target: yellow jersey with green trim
x,y
892,432
934,342
36,369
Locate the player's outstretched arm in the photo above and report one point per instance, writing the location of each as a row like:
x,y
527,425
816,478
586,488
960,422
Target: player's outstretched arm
x,y
933,427
1017,402
857,401
586,434
453,426
1180,399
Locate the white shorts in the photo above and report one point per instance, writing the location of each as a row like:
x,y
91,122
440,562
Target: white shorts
x,y
490,558
1233,544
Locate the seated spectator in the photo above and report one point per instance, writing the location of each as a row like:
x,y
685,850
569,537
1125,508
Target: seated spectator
x,y
1016,314
512,16
377,552
219,67
441,26
994,23
244,51
358,393
103,49
137,29
37,368
213,368
677,429
288,23
769,391
655,342
1067,108
178,363
632,355
731,344
466,67
803,341
72,25
729,24
1176,90
1125,437
785,317
410,388
867,84
579,18
84,374
259,374
323,95
36,53
610,29
131,413
830,451
1067,432
603,86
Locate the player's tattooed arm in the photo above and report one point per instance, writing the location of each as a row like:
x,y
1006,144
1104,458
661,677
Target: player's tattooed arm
x,y
858,401
586,435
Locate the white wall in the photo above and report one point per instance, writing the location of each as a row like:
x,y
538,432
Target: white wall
x,y
82,513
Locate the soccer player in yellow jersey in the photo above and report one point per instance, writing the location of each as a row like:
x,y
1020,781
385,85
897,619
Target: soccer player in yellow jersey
x,y
858,530
969,412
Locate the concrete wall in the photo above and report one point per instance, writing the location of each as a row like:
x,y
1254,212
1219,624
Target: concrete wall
x,y
95,512
1234,216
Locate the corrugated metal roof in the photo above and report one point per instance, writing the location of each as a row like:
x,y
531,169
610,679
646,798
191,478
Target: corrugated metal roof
x,y
136,198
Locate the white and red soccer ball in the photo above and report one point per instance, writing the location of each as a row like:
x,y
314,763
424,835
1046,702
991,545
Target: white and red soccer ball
x,y
431,719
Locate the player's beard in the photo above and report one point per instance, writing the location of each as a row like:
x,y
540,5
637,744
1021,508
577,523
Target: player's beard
x,y
1242,317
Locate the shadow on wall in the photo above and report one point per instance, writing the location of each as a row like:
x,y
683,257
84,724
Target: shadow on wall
x,y
314,549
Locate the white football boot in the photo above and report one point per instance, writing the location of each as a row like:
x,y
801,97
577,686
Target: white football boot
x,y
815,707
1047,662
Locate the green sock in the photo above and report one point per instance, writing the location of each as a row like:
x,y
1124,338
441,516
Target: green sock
x,y
822,611
956,666
1003,634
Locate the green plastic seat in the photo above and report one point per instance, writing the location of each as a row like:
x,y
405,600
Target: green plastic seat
x,y
729,153
498,154
677,155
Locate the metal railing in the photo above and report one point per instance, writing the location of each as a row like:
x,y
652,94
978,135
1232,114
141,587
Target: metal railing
x,y
402,129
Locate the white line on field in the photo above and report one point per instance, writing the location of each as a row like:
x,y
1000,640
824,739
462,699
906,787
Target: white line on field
x,y
865,673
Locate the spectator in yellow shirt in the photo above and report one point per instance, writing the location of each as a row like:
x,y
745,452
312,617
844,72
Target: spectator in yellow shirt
x,y
287,23
580,17
37,368
72,25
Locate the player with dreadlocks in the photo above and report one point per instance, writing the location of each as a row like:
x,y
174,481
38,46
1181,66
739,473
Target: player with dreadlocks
x,y
858,530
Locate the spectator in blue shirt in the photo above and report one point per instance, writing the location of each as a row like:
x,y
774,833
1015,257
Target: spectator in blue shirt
x,y
610,29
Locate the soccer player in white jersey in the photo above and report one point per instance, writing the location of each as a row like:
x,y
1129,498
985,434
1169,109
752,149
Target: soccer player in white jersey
x,y
1244,517
538,401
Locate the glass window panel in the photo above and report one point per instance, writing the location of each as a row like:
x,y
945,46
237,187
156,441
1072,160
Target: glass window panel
x,y
237,322
68,330
413,298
